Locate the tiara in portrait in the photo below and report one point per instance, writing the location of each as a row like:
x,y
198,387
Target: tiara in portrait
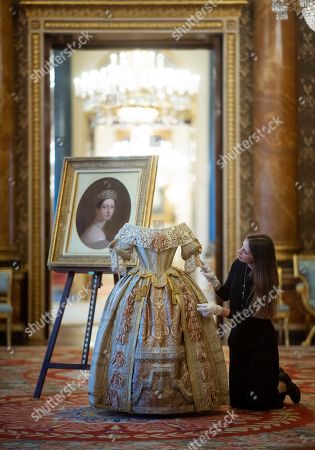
x,y
107,193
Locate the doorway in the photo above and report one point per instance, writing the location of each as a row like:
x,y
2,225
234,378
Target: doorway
x,y
186,134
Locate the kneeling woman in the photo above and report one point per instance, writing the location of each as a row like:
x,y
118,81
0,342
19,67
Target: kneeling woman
x,y
255,379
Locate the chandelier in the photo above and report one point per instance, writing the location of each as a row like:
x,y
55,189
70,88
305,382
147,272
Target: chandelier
x,y
136,87
304,8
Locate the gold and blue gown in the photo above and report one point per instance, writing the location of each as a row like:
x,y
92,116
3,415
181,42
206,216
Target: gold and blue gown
x,y
154,353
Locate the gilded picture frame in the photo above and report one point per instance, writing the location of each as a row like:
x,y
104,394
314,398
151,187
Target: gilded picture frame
x,y
97,197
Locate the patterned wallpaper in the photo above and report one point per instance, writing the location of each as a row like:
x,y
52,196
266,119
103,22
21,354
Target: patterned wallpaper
x,y
21,134
305,184
247,60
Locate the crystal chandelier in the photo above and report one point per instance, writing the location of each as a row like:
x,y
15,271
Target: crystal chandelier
x,y
137,87
306,8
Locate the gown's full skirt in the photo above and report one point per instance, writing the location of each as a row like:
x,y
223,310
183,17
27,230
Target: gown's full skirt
x,y
154,353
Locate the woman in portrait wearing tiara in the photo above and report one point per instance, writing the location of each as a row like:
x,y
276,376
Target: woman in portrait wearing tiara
x,y
94,235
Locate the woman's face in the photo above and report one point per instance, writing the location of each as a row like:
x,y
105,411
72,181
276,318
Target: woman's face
x,y
244,253
106,210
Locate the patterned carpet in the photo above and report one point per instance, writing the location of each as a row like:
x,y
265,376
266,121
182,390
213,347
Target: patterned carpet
x,y
62,418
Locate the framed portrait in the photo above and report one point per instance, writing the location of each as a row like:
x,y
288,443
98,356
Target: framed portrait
x,y
97,197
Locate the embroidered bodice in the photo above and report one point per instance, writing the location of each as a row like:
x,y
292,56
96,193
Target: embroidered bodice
x,y
154,247
156,262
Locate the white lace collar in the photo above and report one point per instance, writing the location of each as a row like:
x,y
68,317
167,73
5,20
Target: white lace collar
x,y
169,237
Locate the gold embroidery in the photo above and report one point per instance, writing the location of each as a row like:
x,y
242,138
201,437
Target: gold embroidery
x,y
191,317
112,399
201,354
119,359
205,373
193,327
212,396
126,318
117,380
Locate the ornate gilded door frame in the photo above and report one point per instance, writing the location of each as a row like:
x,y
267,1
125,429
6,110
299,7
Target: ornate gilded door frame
x,y
101,17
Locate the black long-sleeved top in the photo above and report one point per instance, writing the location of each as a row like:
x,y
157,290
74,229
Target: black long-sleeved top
x,y
232,289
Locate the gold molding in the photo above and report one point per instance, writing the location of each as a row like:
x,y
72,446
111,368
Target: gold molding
x,y
231,138
119,11
94,3
285,251
94,25
231,25
35,25
36,263
282,246
35,280
67,16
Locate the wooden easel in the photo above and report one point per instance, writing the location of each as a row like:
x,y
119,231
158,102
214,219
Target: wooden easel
x,y
96,284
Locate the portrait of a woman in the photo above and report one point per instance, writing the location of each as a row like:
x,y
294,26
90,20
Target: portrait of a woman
x,y
103,209
94,236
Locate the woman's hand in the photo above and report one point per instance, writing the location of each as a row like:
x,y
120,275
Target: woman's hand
x,y
210,276
206,310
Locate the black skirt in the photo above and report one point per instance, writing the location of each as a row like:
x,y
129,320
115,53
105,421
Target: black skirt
x,y
254,366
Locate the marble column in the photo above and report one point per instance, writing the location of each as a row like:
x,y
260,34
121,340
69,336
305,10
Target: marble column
x,y
275,123
6,134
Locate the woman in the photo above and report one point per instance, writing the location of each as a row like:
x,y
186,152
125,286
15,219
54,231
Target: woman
x,y
94,236
255,380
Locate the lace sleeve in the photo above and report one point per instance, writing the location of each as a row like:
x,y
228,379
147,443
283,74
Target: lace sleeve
x,y
190,253
120,252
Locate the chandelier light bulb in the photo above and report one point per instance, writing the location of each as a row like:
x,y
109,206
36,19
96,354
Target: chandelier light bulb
x,y
138,79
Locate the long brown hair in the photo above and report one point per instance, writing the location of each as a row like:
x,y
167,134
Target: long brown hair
x,y
265,273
